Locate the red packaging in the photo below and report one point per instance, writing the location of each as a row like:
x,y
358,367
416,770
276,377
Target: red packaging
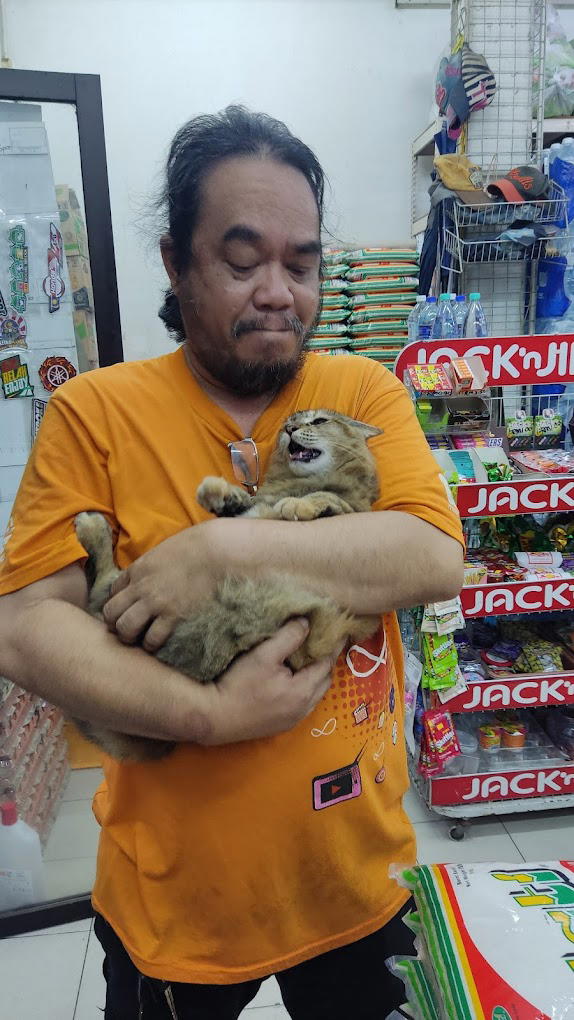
x,y
441,735
428,764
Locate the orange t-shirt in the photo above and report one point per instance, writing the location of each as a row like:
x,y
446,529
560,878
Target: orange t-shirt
x,y
224,864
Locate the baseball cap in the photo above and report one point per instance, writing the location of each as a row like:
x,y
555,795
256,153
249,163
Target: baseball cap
x,y
463,177
464,84
521,184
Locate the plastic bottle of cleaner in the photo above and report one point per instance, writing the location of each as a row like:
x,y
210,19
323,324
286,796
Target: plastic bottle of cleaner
x,y
444,327
426,318
413,319
460,312
21,865
476,324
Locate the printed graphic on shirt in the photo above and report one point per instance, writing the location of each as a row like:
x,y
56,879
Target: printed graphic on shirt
x,y
341,784
326,731
362,702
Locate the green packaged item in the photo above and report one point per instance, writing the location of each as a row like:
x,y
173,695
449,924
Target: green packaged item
x,y
440,661
360,255
386,326
334,299
365,300
497,471
321,342
378,271
520,431
329,328
421,996
496,939
333,315
335,284
335,270
335,256
548,429
383,285
380,313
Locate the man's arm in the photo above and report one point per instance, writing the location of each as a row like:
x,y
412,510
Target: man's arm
x,y
52,647
370,562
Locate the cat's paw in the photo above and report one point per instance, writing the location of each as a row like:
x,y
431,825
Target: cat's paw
x,y
211,494
222,499
294,509
92,529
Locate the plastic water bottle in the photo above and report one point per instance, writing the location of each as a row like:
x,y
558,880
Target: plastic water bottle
x,y
476,324
21,865
460,312
427,318
444,327
554,149
569,280
413,319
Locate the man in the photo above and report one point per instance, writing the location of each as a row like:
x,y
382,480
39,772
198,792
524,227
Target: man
x,y
262,844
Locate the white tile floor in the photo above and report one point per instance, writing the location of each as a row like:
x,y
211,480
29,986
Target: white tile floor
x,y
56,974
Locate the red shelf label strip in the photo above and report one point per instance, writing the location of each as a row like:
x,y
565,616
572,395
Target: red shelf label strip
x,y
517,597
515,692
477,789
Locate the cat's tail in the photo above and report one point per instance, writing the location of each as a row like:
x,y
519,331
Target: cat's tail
x,y
95,534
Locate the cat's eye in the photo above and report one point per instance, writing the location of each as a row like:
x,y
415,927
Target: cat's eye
x,y
320,421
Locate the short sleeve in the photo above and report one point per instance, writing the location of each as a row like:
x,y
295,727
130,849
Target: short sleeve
x,y
410,478
65,474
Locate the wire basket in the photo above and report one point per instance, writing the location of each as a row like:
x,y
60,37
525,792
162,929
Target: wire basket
x,y
468,230
551,210
468,252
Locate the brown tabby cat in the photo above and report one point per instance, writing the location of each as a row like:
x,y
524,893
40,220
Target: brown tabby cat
x,y
320,467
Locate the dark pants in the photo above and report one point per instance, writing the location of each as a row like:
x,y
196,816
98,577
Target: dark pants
x,y
351,983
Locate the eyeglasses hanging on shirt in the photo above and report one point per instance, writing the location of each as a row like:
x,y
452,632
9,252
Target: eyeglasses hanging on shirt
x,y
245,463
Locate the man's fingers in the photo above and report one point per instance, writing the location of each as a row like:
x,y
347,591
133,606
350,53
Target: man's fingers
x,y
132,623
287,640
117,606
120,582
317,677
158,633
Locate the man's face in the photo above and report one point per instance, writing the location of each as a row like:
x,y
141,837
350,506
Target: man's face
x,y
251,292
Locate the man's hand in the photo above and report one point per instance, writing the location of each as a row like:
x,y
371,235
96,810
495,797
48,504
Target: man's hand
x,y
259,696
163,586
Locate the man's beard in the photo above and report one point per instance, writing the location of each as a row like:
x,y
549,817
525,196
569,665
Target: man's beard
x,y
253,378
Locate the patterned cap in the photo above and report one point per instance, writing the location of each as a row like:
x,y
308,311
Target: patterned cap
x,y
464,84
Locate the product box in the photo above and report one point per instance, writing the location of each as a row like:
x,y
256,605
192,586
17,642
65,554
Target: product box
x,y
80,282
86,345
72,224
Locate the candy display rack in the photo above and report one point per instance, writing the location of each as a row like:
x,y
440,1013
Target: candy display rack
x,y
543,777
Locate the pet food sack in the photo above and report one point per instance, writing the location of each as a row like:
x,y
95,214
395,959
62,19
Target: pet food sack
x,y
498,939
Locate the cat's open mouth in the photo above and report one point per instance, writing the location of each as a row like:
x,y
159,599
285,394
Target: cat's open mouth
x,y
306,453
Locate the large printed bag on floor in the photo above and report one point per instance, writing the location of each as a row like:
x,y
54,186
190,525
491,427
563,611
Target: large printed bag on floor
x,y
496,941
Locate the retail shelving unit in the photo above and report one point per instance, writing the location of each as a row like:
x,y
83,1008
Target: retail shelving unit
x,y
517,362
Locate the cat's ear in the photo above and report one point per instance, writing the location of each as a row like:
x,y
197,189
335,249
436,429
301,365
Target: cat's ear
x,y
369,431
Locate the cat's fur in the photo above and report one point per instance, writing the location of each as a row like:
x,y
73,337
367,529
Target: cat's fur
x,y
339,478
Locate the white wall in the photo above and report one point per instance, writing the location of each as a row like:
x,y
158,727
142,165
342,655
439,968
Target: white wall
x,y
354,78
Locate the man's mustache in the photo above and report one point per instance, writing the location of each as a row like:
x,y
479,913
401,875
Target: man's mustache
x,y
288,323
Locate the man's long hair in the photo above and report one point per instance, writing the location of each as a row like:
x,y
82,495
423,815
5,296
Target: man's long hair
x,y
197,148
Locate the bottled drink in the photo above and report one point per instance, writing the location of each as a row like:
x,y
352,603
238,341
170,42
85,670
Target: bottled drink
x,y
426,318
21,865
569,280
476,324
460,311
444,327
413,319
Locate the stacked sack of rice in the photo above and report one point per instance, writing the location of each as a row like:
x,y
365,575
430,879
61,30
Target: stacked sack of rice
x,y
493,942
381,285
330,335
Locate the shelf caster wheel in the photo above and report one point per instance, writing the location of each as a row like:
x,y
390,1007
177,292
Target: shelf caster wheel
x,y
456,832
